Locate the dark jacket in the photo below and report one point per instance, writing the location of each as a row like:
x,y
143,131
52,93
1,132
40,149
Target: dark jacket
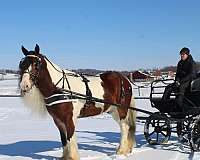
x,y
186,70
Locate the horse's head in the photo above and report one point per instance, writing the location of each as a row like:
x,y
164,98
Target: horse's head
x,y
31,67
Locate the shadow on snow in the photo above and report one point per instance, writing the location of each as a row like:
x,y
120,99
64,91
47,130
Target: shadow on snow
x,y
104,142
29,149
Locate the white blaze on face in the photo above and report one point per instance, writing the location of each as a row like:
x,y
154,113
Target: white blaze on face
x,y
26,83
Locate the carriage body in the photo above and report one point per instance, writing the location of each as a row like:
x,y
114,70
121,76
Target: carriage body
x,y
191,99
170,118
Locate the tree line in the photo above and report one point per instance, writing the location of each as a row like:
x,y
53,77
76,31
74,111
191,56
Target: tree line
x,y
173,68
95,71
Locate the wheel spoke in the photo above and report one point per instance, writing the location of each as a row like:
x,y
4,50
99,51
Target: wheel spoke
x,y
163,125
151,133
163,134
157,137
152,123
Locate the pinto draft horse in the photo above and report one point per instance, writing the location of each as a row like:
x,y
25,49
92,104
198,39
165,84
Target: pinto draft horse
x,y
41,83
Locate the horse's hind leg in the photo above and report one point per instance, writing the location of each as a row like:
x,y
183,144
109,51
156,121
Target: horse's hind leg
x,y
132,126
131,138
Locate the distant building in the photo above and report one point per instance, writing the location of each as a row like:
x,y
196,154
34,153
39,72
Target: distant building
x,y
163,75
140,76
171,74
157,74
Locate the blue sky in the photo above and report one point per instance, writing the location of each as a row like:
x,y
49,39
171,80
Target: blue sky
x,y
100,34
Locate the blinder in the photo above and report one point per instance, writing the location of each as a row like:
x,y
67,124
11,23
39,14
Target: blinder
x,y
24,63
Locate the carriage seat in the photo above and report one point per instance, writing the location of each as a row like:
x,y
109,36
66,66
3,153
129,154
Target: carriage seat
x,y
164,107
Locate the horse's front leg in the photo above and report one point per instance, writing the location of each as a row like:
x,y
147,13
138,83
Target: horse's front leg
x,y
70,148
124,147
68,139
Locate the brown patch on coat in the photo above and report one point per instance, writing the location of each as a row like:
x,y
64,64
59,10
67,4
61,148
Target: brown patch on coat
x,y
117,89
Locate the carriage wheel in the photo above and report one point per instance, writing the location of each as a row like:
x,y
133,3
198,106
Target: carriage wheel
x,y
157,130
195,135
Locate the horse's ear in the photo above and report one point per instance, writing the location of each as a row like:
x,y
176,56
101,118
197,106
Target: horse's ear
x,y
25,51
37,49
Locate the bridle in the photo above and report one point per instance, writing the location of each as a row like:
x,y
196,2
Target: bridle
x,y
27,62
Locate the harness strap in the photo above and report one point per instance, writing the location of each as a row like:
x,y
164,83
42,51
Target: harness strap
x,y
58,81
59,98
65,78
88,91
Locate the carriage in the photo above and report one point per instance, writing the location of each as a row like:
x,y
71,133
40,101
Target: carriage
x,y
170,118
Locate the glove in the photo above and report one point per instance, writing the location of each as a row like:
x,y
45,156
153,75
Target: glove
x,y
177,83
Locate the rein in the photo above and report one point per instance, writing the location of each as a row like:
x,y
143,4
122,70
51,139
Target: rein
x,y
94,99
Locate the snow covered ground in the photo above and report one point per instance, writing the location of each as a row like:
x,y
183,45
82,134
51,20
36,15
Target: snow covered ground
x,y
24,136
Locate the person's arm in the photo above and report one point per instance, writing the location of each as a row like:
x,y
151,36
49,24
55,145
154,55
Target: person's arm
x,y
177,77
191,74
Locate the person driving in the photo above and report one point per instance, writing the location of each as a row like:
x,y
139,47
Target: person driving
x,y
185,73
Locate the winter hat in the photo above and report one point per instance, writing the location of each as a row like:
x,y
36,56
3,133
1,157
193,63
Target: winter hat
x,y
185,50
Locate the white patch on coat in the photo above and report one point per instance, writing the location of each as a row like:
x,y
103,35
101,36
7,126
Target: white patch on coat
x,y
26,83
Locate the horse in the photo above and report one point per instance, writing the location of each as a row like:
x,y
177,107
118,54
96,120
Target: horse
x,y
42,82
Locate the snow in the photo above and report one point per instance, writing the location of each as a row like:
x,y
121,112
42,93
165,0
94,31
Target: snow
x,y
24,136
